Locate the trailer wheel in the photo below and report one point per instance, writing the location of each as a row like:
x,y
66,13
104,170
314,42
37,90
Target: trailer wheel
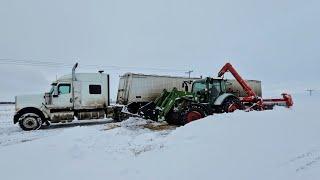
x,y
30,121
231,104
192,114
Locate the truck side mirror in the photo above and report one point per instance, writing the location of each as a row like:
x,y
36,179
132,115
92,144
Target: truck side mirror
x,y
48,98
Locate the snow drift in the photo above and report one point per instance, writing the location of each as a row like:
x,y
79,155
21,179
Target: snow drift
x,y
279,144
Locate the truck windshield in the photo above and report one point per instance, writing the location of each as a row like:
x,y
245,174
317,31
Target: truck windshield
x,y
53,86
52,89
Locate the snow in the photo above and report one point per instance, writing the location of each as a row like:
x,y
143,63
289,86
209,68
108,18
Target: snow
x,y
279,144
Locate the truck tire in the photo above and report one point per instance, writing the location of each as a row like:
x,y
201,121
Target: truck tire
x,y
30,121
231,104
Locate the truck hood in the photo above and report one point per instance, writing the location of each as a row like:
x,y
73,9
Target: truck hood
x,y
24,101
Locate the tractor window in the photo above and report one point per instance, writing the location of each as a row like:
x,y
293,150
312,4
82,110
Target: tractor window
x,y
64,88
199,86
215,88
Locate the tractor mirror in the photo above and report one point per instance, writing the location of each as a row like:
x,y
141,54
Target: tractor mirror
x,y
209,80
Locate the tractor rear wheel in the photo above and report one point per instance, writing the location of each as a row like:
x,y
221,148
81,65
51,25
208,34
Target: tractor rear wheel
x,y
231,104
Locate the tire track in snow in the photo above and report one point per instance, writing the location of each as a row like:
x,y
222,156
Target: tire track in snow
x,y
306,160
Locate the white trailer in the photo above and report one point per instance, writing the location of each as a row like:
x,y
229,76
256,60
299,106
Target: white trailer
x,y
135,90
234,87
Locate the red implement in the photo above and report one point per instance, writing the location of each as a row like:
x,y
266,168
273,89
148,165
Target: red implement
x,y
251,97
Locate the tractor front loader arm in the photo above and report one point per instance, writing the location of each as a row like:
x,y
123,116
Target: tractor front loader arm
x,y
163,104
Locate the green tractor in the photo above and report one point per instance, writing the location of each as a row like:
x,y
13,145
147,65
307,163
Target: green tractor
x,y
208,96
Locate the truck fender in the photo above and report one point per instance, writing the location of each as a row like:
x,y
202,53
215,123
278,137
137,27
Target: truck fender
x,y
27,110
223,97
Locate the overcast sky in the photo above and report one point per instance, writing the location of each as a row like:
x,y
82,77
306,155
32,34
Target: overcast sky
x,y
276,41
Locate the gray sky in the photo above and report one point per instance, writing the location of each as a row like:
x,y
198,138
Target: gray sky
x,y
276,41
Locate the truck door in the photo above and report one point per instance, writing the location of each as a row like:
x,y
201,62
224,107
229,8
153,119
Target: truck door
x,y
64,97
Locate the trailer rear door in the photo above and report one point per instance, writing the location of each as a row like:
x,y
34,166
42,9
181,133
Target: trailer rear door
x,y
123,90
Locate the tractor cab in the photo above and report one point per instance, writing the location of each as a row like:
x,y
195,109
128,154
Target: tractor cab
x,y
209,89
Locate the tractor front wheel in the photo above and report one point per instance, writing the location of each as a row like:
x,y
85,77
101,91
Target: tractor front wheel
x,y
193,114
174,118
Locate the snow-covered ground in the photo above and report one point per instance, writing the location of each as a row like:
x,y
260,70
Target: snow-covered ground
x,y
281,144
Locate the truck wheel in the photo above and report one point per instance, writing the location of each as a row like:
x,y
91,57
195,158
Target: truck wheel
x,y
193,114
231,104
30,121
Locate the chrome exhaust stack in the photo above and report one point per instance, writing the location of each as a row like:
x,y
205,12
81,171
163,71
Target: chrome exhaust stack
x,y
72,82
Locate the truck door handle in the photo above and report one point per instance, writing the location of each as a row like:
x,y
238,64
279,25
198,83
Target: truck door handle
x,y
70,100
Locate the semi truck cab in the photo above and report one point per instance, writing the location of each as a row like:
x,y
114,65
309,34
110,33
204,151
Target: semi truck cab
x,y
81,95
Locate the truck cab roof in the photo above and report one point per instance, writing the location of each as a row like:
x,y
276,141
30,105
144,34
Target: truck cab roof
x,y
83,77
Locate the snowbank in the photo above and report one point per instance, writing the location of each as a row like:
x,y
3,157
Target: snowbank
x,y
280,144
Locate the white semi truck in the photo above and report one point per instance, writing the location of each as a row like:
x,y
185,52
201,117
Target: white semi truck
x,y
81,95
86,96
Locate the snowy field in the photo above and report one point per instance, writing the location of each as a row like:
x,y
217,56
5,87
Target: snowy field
x,y
283,144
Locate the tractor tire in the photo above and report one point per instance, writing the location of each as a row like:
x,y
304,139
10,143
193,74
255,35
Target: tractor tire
x,y
192,114
30,121
174,118
231,104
